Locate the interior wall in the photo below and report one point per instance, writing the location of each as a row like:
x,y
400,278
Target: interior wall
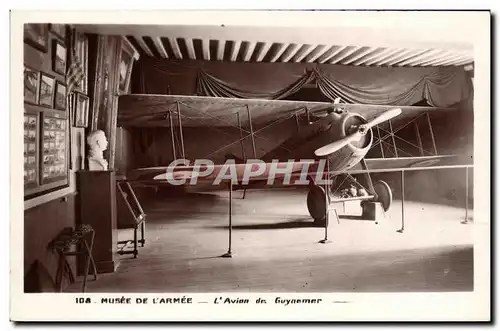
x,y
41,225
43,222
47,215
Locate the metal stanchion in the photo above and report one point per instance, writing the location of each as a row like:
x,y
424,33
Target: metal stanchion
x,y
229,253
402,202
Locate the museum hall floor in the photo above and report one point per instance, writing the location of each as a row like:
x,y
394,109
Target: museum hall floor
x,y
276,249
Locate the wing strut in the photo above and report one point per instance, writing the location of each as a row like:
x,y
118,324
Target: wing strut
x,y
368,178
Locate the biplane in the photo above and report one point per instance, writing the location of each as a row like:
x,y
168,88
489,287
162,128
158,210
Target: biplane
x,y
338,133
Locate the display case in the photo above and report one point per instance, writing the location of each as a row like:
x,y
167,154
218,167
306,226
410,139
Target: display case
x,y
31,134
54,163
46,151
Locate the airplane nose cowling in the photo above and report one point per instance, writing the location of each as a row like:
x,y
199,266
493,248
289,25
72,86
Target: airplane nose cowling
x,y
350,124
352,153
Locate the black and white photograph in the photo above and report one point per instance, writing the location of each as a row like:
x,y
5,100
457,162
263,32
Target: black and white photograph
x,y
125,71
31,83
46,94
59,56
81,108
265,165
60,96
37,36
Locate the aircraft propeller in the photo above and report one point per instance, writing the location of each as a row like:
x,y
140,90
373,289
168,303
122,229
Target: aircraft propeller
x,y
361,131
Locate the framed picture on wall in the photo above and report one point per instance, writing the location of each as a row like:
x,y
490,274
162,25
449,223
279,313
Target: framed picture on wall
x,y
60,97
46,94
81,51
127,57
59,30
31,83
81,107
37,36
59,56
125,70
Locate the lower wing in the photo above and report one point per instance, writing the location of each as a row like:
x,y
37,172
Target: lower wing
x,y
412,164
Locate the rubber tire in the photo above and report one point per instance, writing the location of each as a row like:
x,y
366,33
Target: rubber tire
x,y
384,194
316,204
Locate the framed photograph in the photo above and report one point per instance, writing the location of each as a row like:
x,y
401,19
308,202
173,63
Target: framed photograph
x,y
60,98
31,82
46,94
125,70
81,107
59,30
59,56
37,36
127,57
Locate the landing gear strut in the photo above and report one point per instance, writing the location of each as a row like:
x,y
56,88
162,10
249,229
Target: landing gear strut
x,y
318,201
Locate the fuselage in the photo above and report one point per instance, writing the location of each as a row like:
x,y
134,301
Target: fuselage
x,y
293,166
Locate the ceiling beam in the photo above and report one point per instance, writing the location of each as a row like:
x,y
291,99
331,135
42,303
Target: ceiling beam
x,y
332,51
416,58
190,48
263,51
451,59
249,51
467,60
406,54
143,45
360,55
430,57
279,52
442,58
388,56
205,49
159,46
175,48
235,50
290,52
457,60
341,56
378,54
305,50
316,53
221,45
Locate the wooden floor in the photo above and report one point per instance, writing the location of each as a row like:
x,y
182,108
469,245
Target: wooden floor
x,y
276,249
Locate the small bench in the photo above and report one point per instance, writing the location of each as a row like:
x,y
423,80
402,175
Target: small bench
x,y
74,243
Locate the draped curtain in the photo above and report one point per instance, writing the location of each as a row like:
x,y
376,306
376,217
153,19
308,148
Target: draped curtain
x,y
440,87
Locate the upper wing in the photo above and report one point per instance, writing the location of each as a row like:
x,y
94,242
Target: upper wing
x,y
412,164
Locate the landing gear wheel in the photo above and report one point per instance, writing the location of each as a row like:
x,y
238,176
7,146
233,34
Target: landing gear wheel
x,y
316,204
384,194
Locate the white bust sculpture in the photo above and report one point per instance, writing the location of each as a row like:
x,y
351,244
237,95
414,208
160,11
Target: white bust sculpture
x,y
98,144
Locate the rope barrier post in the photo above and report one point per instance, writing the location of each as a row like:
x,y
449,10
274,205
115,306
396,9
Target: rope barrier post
x,y
327,204
229,253
402,202
466,220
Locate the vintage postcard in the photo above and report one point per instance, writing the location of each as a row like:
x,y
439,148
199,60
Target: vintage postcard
x,y
251,166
